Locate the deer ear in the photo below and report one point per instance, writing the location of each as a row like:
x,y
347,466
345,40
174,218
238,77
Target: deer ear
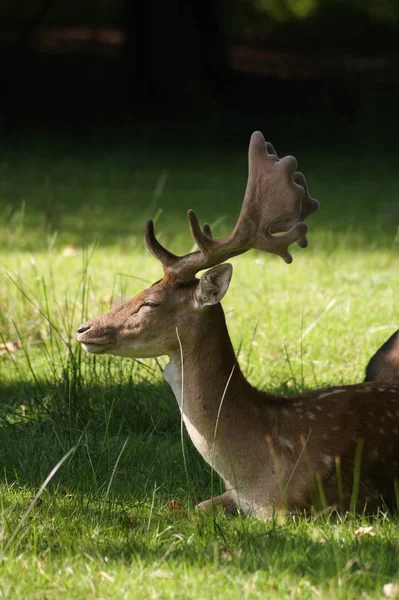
x,y
213,285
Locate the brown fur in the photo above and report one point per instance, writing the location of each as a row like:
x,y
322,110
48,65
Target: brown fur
x,y
272,452
384,365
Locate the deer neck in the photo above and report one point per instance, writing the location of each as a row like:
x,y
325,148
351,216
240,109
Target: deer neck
x,y
205,377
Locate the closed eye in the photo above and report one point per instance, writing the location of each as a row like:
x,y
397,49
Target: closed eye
x,y
150,303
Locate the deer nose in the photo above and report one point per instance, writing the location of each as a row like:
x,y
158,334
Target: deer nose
x,y
83,328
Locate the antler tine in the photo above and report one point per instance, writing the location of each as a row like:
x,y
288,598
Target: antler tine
x,y
272,202
202,237
207,230
309,206
156,249
276,201
183,268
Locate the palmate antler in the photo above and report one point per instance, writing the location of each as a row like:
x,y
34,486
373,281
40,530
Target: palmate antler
x,y
276,201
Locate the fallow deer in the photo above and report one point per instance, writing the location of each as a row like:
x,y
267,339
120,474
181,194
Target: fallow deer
x,y
384,364
335,447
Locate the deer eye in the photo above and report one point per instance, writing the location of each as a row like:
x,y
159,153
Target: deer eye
x,y
150,304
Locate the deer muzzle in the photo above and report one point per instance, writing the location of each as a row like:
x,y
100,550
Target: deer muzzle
x,y
95,339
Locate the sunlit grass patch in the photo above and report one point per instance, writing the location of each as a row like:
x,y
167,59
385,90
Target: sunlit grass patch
x,y
117,518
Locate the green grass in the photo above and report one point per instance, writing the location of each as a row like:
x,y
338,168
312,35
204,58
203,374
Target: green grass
x,y
103,526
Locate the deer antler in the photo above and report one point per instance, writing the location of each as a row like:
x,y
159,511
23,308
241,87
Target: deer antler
x,y
276,201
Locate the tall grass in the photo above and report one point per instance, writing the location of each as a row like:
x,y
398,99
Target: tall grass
x,y
98,480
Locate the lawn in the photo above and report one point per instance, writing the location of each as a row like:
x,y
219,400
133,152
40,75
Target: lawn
x,y
98,485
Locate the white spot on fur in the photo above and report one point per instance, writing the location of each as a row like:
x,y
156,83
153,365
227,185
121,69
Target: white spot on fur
x,y
336,428
327,460
337,391
381,431
310,415
318,407
286,443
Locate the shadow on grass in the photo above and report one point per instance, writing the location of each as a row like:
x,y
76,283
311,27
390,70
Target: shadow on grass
x,y
128,433
112,497
127,437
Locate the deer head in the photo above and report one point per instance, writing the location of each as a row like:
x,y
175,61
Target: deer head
x,y
145,326
276,202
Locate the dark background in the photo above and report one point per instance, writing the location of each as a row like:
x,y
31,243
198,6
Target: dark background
x,y
215,67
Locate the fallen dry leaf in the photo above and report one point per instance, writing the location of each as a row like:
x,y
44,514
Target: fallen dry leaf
x,y
130,522
175,505
38,503
7,347
391,590
107,576
161,574
67,493
70,250
365,531
225,555
40,563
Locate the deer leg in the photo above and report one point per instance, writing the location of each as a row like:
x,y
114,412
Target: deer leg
x,y
224,502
